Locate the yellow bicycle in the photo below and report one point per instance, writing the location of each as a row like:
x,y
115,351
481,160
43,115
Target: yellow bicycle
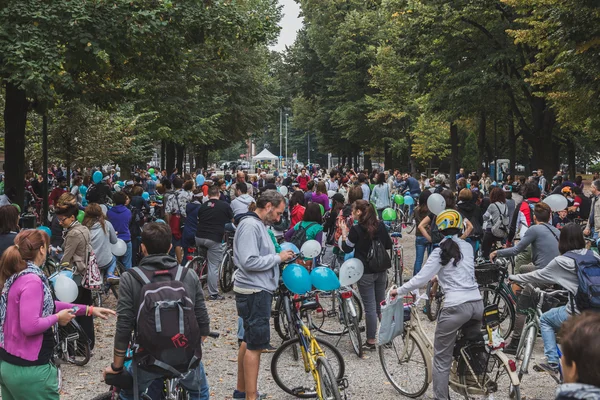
x,y
324,371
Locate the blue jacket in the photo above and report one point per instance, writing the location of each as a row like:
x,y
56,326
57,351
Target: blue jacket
x,y
413,185
119,217
191,224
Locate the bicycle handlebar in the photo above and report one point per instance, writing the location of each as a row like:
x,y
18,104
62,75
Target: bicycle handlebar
x,y
547,293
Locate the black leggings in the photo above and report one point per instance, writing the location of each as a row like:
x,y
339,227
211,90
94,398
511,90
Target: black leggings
x,y
488,241
87,323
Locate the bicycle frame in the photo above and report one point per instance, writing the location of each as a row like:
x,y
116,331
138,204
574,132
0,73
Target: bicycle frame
x,y
310,352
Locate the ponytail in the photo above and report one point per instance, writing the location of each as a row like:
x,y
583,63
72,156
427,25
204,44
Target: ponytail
x,y
450,249
14,259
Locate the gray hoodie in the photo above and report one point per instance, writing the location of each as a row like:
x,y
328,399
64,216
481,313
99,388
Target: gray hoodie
x,y
101,242
254,253
543,239
240,204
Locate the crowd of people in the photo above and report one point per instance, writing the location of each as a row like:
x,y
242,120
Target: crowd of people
x,y
160,217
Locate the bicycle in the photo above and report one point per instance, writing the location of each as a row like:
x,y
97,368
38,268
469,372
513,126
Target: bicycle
x,y
227,267
107,288
326,369
397,255
405,217
534,306
434,300
478,367
198,261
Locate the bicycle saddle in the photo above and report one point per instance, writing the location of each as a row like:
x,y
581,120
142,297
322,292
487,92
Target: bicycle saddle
x,y
309,305
396,235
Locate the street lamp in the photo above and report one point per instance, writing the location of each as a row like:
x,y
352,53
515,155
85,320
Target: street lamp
x,y
280,136
286,137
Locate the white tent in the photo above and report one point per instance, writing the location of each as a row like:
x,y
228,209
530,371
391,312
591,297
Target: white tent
x,y
264,155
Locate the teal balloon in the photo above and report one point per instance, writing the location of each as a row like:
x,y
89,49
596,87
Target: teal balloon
x,y
145,195
289,246
83,190
121,183
296,279
45,229
200,180
409,201
324,278
153,177
97,177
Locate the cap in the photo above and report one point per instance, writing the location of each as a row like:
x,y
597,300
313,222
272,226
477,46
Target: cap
x,y
338,197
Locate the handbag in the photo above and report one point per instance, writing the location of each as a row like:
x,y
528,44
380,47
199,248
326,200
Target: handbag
x,y
92,279
392,318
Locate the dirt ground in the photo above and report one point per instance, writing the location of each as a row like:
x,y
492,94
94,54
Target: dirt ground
x,y
365,376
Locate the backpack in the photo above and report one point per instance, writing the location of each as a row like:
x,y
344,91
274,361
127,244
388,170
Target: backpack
x,y
378,258
512,231
588,276
299,236
167,336
436,235
500,227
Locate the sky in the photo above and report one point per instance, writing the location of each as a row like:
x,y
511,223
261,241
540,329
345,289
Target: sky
x,y
290,24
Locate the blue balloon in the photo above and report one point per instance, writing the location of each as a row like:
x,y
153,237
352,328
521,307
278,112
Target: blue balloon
x,y
83,190
409,201
66,272
296,279
121,184
324,278
45,229
161,221
289,246
145,195
97,177
348,256
200,180
153,177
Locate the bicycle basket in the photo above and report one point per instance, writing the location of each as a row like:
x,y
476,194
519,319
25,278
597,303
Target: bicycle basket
x,y
474,360
487,274
526,300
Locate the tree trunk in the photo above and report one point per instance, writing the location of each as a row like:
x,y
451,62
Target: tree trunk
x,y
180,149
198,151
163,150
454,154
205,157
15,119
170,157
367,162
388,158
68,160
512,146
481,142
190,157
540,138
571,159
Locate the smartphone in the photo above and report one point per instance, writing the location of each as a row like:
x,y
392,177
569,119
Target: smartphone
x,y
74,310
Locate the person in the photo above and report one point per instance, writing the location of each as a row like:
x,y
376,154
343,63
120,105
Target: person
x,y
156,243
510,203
460,175
75,189
27,316
9,226
212,217
332,182
303,179
255,281
320,196
484,183
454,265
102,236
372,285
421,243
522,219
57,191
381,195
262,181
496,213
311,222
363,182
593,224
76,249
560,219
175,214
99,192
432,235
139,209
439,184
120,216
240,178
542,182
580,354
191,220
543,239
413,188
562,270
223,192
242,200
470,211
330,224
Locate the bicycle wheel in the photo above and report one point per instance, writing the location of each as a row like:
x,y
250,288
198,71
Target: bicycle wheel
x,y
496,379
226,272
330,389
74,344
491,295
433,303
327,319
97,298
290,375
525,349
119,271
353,329
404,364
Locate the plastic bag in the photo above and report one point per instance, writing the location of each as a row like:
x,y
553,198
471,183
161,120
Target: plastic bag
x,y
392,318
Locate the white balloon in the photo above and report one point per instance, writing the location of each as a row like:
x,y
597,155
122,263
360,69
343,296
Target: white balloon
x,y
283,190
310,249
436,203
120,248
65,289
557,202
117,188
331,193
104,209
351,271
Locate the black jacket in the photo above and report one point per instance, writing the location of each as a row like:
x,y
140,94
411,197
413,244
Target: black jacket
x,y
361,242
472,212
130,291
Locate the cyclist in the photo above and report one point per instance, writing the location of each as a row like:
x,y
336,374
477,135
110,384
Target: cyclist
x,y
593,225
381,195
454,264
156,242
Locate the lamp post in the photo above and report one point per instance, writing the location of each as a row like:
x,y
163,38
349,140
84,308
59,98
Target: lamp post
x,y
308,148
280,136
286,137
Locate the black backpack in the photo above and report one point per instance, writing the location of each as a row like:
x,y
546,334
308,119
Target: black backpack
x,y
299,236
378,258
167,336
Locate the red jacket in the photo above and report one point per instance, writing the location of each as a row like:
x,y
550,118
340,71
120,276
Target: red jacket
x,y
55,194
297,214
303,181
527,211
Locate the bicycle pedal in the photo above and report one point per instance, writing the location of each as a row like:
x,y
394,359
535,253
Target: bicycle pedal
x,y
343,383
331,314
362,328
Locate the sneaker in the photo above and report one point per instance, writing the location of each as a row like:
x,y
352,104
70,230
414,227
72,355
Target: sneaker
x,y
270,349
550,368
112,279
369,346
214,297
241,395
512,347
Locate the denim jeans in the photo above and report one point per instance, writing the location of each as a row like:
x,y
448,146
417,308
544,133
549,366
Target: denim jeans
x,y
126,258
194,382
110,268
372,292
421,244
550,323
240,331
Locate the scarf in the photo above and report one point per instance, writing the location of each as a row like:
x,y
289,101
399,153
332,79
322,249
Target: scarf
x,y
48,302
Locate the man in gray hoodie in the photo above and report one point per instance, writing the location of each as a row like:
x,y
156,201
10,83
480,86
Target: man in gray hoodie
x,y
242,200
254,284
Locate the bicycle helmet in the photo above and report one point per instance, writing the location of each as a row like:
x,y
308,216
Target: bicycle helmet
x,y
449,219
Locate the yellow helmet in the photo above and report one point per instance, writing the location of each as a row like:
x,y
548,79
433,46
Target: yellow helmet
x,y
449,219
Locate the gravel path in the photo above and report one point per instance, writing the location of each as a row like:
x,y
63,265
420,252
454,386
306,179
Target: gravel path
x,y
365,376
